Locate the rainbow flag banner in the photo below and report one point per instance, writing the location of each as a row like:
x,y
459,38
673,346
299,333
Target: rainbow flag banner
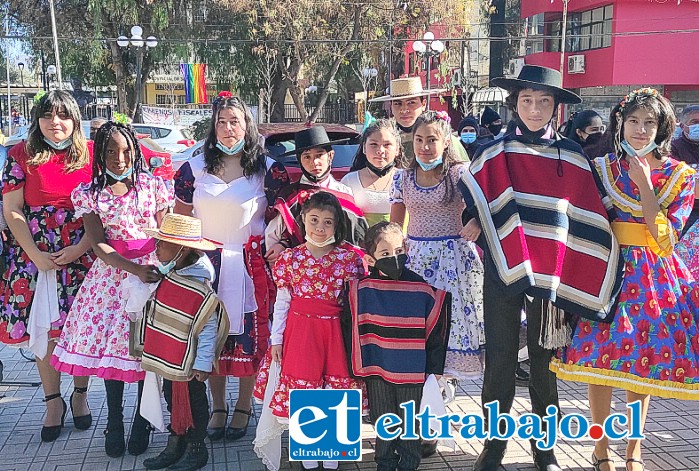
x,y
194,82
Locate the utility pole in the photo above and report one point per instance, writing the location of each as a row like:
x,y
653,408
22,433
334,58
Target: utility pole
x,y
497,39
55,46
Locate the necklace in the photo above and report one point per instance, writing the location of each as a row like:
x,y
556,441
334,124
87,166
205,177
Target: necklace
x,y
368,174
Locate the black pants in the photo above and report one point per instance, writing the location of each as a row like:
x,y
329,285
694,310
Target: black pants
x,y
198,402
115,408
502,318
384,398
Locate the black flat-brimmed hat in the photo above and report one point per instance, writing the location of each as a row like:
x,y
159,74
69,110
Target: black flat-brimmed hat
x,y
537,77
311,138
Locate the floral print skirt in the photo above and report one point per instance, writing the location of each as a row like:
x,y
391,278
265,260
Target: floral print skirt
x,y
688,249
53,229
652,346
95,338
453,265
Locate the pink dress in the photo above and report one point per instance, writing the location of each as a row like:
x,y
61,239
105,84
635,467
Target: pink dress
x,y
95,337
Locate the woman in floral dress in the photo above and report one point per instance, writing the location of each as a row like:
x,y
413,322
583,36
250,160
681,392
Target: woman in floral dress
x,y
122,200
436,249
652,346
47,250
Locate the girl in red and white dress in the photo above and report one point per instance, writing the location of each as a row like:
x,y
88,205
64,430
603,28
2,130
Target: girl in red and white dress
x,y
306,338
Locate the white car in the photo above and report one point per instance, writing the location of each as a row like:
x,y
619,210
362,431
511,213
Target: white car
x,y
169,137
181,157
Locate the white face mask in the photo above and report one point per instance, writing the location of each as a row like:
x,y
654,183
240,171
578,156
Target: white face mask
x,y
320,245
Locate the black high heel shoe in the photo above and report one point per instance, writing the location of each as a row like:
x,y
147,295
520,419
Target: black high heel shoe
x,y
217,433
83,422
235,433
50,434
597,462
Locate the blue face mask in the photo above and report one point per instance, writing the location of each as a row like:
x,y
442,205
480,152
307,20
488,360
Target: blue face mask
x,y
165,268
693,132
429,166
640,152
677,133
121,177
63,145
237,147
468,137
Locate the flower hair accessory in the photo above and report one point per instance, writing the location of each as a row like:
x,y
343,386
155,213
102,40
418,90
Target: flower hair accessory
x,y
634,95
222,96
444,116
120,118
39,95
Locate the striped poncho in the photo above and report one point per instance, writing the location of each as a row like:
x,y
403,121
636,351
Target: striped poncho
x,y
545,220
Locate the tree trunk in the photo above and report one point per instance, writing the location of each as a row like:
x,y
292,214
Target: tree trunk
x,y
120,75
278,96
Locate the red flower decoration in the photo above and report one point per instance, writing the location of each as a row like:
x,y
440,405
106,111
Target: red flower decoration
x,y
646,359
683,368
607,354
664,374
627,346
224,94
626,366
680,339
642,329
603,333
665,354
663,332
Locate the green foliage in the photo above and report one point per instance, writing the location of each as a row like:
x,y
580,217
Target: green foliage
x,y
200,129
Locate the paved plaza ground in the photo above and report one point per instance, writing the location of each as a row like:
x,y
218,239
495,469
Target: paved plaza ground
x,y
672,433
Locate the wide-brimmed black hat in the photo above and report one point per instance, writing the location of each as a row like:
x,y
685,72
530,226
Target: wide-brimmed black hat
x,y
537,77
310,138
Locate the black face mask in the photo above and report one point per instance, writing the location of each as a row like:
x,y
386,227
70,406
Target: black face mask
x,y
313,178
380,172
404,129
495,129
392,267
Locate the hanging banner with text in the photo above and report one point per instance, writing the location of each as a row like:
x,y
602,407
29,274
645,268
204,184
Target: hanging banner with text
x,y
180,116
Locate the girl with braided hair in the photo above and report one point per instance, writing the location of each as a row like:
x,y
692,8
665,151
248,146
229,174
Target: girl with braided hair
x,y
121,200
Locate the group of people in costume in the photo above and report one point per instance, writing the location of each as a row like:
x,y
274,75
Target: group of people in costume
x,y
412,271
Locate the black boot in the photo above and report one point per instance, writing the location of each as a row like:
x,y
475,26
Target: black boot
x,y
491,456
114,444
140,429
194,458
545,460
172,453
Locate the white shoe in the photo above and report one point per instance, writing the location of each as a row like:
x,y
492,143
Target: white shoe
x,y
309,464
330,464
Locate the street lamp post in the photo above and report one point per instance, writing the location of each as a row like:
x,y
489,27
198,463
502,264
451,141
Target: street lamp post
x,y
136,41
20,66
369,74
428,47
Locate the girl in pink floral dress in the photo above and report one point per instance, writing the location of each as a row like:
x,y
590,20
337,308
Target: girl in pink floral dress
x,y
306,338
122,199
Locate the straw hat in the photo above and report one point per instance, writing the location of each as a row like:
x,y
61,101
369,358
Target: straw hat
x,y
407,87
182,230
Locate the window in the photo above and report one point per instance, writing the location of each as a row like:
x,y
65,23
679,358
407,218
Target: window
x,y
535,34
591,29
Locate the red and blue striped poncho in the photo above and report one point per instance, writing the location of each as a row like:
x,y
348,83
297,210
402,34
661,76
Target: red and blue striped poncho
x,y
545,219
396,330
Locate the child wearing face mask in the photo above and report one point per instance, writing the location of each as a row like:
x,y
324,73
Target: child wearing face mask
x,y
440,248
183,351
116,205
306,338
394,345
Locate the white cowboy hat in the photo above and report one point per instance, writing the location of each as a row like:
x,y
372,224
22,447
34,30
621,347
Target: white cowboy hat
x,y
182,230
407,87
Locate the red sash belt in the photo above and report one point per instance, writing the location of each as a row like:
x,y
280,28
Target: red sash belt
x,y
312,307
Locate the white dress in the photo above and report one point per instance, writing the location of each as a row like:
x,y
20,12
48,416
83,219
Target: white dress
x,y
373,203
446,261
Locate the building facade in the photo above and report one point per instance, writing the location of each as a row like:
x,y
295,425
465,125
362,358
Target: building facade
x,y
613,46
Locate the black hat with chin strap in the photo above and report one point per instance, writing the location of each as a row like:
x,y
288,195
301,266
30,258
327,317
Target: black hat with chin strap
x,y
539,78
